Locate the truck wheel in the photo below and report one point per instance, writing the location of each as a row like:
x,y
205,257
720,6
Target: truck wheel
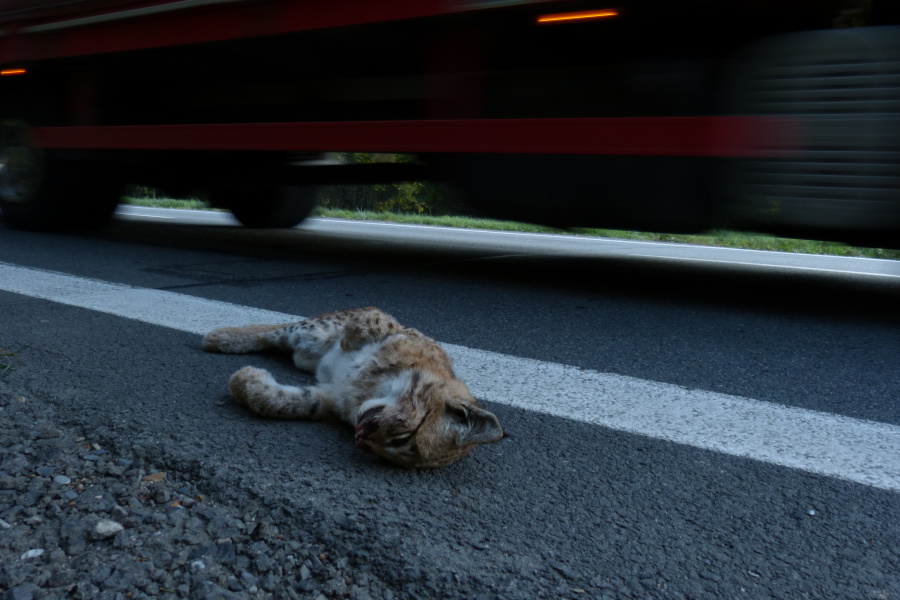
x,y
843,181
267,207
39,192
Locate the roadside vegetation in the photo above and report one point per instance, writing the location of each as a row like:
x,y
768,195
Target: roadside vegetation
x,y
433,204
146,196
722,238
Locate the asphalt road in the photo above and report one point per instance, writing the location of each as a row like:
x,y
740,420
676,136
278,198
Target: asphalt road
x,y
564,507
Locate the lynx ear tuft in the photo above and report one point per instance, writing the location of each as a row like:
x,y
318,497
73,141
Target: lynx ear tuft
x,y
482,427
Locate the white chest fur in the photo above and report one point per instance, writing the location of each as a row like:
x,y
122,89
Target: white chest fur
x,y
339,371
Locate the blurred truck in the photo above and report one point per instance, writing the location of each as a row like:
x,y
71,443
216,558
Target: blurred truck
x,y
765,115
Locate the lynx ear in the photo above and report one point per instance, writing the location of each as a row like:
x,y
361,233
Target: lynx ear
x,y
481,427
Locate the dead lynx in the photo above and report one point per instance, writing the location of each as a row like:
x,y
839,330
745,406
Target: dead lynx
x,y
392,383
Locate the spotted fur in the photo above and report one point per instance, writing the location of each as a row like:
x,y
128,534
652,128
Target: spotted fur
x,y
392,383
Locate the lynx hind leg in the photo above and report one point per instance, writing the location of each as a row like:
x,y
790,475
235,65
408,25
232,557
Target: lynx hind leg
x,y
312,338
257,390
250,338
368,325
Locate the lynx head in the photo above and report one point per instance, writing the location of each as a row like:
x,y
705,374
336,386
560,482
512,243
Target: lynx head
x,y
435,422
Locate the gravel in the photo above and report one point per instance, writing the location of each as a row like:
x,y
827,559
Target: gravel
x,y
80,519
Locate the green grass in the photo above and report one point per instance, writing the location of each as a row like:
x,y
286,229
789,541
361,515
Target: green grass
x,y
728,239
754,241
721,238
190,203
441,221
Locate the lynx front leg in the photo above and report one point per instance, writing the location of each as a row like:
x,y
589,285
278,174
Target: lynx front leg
x,y
257,390
250,338
368,325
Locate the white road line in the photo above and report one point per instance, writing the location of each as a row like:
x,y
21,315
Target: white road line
x,y
852,449
769,265
157,217
514,242
168,309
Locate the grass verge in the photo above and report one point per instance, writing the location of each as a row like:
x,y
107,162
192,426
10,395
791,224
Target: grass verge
x,y
728,239
190,203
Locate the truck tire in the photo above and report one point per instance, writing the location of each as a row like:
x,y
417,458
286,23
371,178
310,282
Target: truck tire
x,y
843,180
267,207
40,192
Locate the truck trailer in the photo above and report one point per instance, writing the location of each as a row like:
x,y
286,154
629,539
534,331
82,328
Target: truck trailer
x,y
764,115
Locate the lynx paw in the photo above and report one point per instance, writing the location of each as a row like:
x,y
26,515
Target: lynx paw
x,y
219,340
351,340
249,385
237,340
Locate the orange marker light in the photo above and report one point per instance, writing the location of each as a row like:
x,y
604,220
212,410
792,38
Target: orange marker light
x,y
584,15
12,72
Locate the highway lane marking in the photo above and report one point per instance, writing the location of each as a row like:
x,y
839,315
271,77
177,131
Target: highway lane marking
x,y
856,450
770,265
581,239
157,217
577,243
128,210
